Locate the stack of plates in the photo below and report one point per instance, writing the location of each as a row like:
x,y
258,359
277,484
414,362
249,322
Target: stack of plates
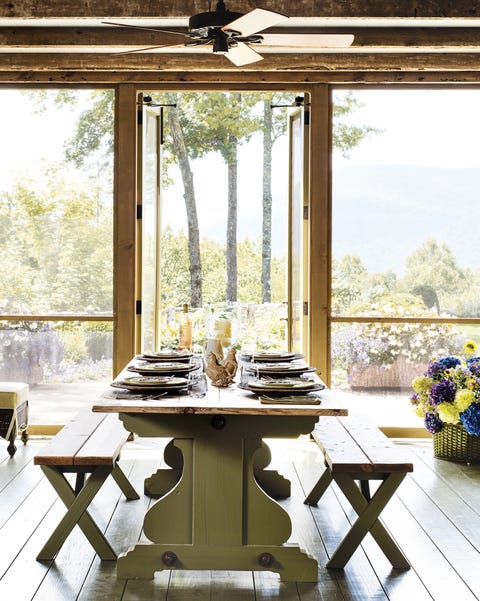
x,y
280,369
164,368
281,386
152,383
167,355
266,357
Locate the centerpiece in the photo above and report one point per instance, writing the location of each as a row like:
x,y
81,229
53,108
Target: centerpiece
x,y
447,397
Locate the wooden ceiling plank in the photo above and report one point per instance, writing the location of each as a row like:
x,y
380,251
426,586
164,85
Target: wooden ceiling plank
x,y
94,9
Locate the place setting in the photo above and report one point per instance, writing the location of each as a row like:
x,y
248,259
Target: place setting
x,y
163,368
166,355
270,356
152,384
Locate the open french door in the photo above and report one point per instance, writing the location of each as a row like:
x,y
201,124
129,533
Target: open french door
x,y
148,225
298,231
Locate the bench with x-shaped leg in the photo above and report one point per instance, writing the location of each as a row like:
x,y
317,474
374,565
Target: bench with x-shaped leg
x,y
89,444
357,451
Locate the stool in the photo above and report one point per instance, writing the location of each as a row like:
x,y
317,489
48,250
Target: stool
x,y
13,413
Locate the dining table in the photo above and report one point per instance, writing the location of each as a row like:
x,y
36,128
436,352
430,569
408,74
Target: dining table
x,y
216,508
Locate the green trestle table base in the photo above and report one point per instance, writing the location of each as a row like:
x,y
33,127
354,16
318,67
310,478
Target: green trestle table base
x,y
164,479
216,515
292,563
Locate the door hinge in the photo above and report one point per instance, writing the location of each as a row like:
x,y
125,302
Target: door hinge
x,y
305,212
305,307
138,307
139,211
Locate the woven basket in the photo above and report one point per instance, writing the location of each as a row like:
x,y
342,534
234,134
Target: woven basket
x,y
455,444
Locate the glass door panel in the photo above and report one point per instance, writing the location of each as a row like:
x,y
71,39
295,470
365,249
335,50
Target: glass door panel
x,y
405,284
298,233
148,246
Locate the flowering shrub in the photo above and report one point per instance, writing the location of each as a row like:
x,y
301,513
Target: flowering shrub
x,y
359,345
449,392
26,348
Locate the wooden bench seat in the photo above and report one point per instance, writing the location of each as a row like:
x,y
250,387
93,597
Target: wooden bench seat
x,y
89,444
354,451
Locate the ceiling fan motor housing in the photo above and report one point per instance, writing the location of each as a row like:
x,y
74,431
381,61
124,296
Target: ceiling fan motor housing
x,y
218,18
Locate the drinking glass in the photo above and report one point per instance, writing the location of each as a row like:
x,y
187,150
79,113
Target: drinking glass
x,y
197,385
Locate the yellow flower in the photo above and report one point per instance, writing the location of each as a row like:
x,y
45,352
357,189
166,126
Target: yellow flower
x,y
418,410
422,384
469,348
448,413
463,399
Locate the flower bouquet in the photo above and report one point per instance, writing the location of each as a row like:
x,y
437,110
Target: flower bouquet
x,y
447,396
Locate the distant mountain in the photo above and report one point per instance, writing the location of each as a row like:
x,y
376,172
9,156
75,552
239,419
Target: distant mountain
x,y
384,213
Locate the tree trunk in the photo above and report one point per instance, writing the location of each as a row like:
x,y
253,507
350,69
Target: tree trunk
x,y
267,201
191,208
232,224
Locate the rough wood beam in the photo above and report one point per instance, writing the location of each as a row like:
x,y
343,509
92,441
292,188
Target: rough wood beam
x,y
272,62
238,80
365,37
294,8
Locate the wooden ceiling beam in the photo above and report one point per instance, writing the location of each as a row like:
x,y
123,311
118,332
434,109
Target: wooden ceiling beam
x,y
238,80
285,63
365,37
98,9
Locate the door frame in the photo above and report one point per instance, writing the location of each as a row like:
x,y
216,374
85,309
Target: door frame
x,y
320,201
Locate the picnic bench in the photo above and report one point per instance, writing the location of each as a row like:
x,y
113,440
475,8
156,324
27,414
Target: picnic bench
x,y
89,444
354,451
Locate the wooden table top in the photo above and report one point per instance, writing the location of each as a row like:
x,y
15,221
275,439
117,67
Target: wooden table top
x,y
231,401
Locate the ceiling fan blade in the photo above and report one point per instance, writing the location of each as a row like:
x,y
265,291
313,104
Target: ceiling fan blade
x,y
148,48
242,55
254,21
309,40
145,28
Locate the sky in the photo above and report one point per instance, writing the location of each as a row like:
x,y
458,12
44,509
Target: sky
x,y
421,127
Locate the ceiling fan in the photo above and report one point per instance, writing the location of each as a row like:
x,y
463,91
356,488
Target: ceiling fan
x,y
232,34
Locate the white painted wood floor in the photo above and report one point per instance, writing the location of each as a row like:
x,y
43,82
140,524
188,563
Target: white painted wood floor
x,y
435,517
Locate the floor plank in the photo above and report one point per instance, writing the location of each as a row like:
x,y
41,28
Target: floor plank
x,y
435,518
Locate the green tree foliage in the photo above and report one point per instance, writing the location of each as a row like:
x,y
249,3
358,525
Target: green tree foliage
x,y
433,264
346,135
175,280
58,248
352,283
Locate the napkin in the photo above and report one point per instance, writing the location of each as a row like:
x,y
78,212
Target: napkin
x,y
291,400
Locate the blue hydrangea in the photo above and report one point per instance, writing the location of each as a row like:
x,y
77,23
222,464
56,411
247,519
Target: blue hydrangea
x,y
473,365
442,392
471,419
433,423
436,368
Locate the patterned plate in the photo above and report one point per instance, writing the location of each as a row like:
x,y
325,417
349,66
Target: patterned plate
x,y
163,368
281,390
139,383
270,357
169,356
